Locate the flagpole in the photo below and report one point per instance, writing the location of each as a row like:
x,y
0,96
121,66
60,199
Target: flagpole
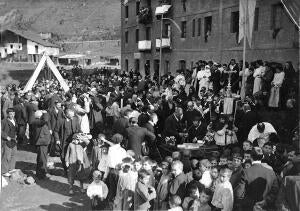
x,y
243,94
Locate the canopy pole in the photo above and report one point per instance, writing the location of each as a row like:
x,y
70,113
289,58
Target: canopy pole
x,y
243,94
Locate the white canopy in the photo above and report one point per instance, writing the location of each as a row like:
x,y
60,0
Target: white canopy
x,y
46,59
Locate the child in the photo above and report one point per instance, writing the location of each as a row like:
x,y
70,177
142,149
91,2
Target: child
x,y
97,191
126,186
213,161
162,189
97,151
223,160
247,155
215,177
205,170
247,164
103,162
202,203
247,145
147,165
174,203
169,159
143,192
193,195
77,161
223,195
137,165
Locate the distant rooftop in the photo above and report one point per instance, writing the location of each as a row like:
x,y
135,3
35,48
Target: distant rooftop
x,y
29,35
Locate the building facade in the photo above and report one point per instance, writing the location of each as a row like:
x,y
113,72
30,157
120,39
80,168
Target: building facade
x,y
24,46
194,30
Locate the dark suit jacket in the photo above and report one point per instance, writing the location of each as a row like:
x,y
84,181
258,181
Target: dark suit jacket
x,y
30,108
189,116
60,133
41,131
198,132
257,183
8,129
120,126
172,127
54,117
21,114
136,135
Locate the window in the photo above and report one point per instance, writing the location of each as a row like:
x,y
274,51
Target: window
x,y
183,29
234,26
167,66
137,65
194,28
137,37
11,46
147,67
148,33
126,11
207,27
167,30
126,65
36,49
256,17
126,37
199,26
192,65
137,7
182,65
276,16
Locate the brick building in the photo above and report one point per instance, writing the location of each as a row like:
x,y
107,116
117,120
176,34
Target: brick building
x,y
208,30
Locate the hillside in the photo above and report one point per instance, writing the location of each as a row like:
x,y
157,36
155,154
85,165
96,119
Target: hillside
x,y
67,19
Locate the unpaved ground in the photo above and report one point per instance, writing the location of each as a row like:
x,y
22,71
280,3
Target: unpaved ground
x,y
49,194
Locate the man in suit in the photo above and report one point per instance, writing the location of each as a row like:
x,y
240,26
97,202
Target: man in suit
x,y
55,113
63,132
42,138
189,114
197,131
9,142
122,123
249,119
21,120
136,136
258,184
174,126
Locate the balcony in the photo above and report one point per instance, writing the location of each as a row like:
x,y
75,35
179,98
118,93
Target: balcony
x,y
166,43
144,45
145,16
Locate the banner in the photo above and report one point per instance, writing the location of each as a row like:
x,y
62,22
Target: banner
x,y
246,19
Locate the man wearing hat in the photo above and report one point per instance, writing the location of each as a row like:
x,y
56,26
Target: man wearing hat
x,y
42,137
198,130
9,142
258,184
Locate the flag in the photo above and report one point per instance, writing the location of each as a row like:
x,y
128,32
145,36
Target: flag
x,y
246,19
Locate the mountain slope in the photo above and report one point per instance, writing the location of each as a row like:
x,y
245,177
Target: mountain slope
x,y
68,19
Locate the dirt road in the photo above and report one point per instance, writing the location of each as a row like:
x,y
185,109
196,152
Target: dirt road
x,y
49,194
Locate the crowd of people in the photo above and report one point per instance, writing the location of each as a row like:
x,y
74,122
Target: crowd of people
x,y
123,131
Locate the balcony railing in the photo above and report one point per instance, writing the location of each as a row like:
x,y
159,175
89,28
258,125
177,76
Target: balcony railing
x,y
145,16
144,45
166,43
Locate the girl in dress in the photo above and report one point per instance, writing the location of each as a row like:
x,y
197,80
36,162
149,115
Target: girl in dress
x,y
276,86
